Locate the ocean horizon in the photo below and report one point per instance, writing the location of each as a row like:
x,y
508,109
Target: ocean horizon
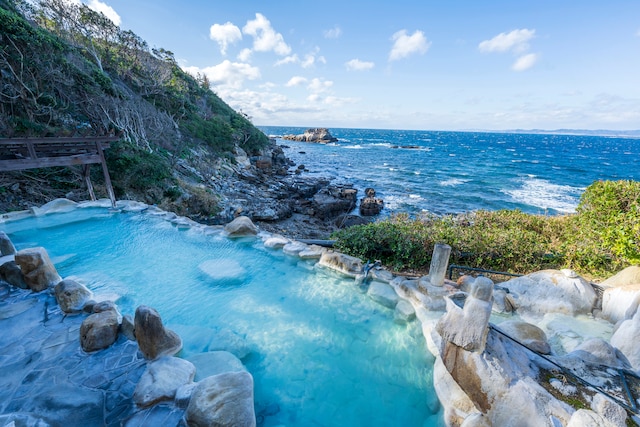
x,y
446,172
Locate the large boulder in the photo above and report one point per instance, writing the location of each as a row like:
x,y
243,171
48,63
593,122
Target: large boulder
x,y
71,295
626,339
37,269
345,264
153,338
551,291
621,295
332,201
6,246
224,400
240,227
99,330
162,378
621,302
628,276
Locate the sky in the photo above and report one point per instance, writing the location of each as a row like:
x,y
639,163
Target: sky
x,y
423,64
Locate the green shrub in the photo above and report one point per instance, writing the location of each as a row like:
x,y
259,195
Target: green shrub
x,y
603,236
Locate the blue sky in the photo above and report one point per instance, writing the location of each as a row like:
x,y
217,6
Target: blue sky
x,y
433,65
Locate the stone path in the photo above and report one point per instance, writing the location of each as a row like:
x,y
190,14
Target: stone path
x,y
46,379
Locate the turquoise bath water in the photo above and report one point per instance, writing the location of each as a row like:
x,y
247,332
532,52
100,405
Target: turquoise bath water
x,y
320,351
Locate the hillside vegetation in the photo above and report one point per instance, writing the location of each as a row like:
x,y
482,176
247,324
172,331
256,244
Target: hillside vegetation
x,y
601,238
69,71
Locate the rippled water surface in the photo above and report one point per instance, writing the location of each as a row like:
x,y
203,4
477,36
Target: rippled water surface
x,y
450,172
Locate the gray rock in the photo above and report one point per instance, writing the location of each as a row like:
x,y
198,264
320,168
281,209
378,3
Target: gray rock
x,y
224,400
468,327
11,273
626,339
71,295
241,226
551,291
153,338
404,313
383,294
530,335
609,410
597,351
37,269
345,264
162,379
99,330
127,327
6,245
214,363
183,395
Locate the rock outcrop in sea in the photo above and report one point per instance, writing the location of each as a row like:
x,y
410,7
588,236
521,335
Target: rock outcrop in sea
x,y
318,135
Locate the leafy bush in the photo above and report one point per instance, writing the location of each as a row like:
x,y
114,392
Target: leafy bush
x,y
604,235
601,238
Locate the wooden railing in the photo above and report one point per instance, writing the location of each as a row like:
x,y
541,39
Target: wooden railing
x,y
31,153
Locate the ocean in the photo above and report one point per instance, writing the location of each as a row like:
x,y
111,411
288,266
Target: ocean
x,y
451,172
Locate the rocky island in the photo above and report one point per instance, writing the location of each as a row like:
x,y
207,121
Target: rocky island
x,y
318,135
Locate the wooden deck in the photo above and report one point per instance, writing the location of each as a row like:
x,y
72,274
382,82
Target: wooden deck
x,y
31,153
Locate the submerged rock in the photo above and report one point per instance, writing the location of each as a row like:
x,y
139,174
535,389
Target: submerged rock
x,y
37,269
383,294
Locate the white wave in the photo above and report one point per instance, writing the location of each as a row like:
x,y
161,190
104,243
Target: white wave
x,y
546,195
354,147
414,196
453,182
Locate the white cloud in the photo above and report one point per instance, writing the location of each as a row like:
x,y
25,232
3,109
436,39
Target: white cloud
x,y
291,59
333,33
245,55
405,45
296,81
311,58
319,85
265,38
227,73
225,34
107,10
358,65
525,62
515,41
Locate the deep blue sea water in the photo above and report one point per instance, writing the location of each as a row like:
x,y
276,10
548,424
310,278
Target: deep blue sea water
x,y
451,172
